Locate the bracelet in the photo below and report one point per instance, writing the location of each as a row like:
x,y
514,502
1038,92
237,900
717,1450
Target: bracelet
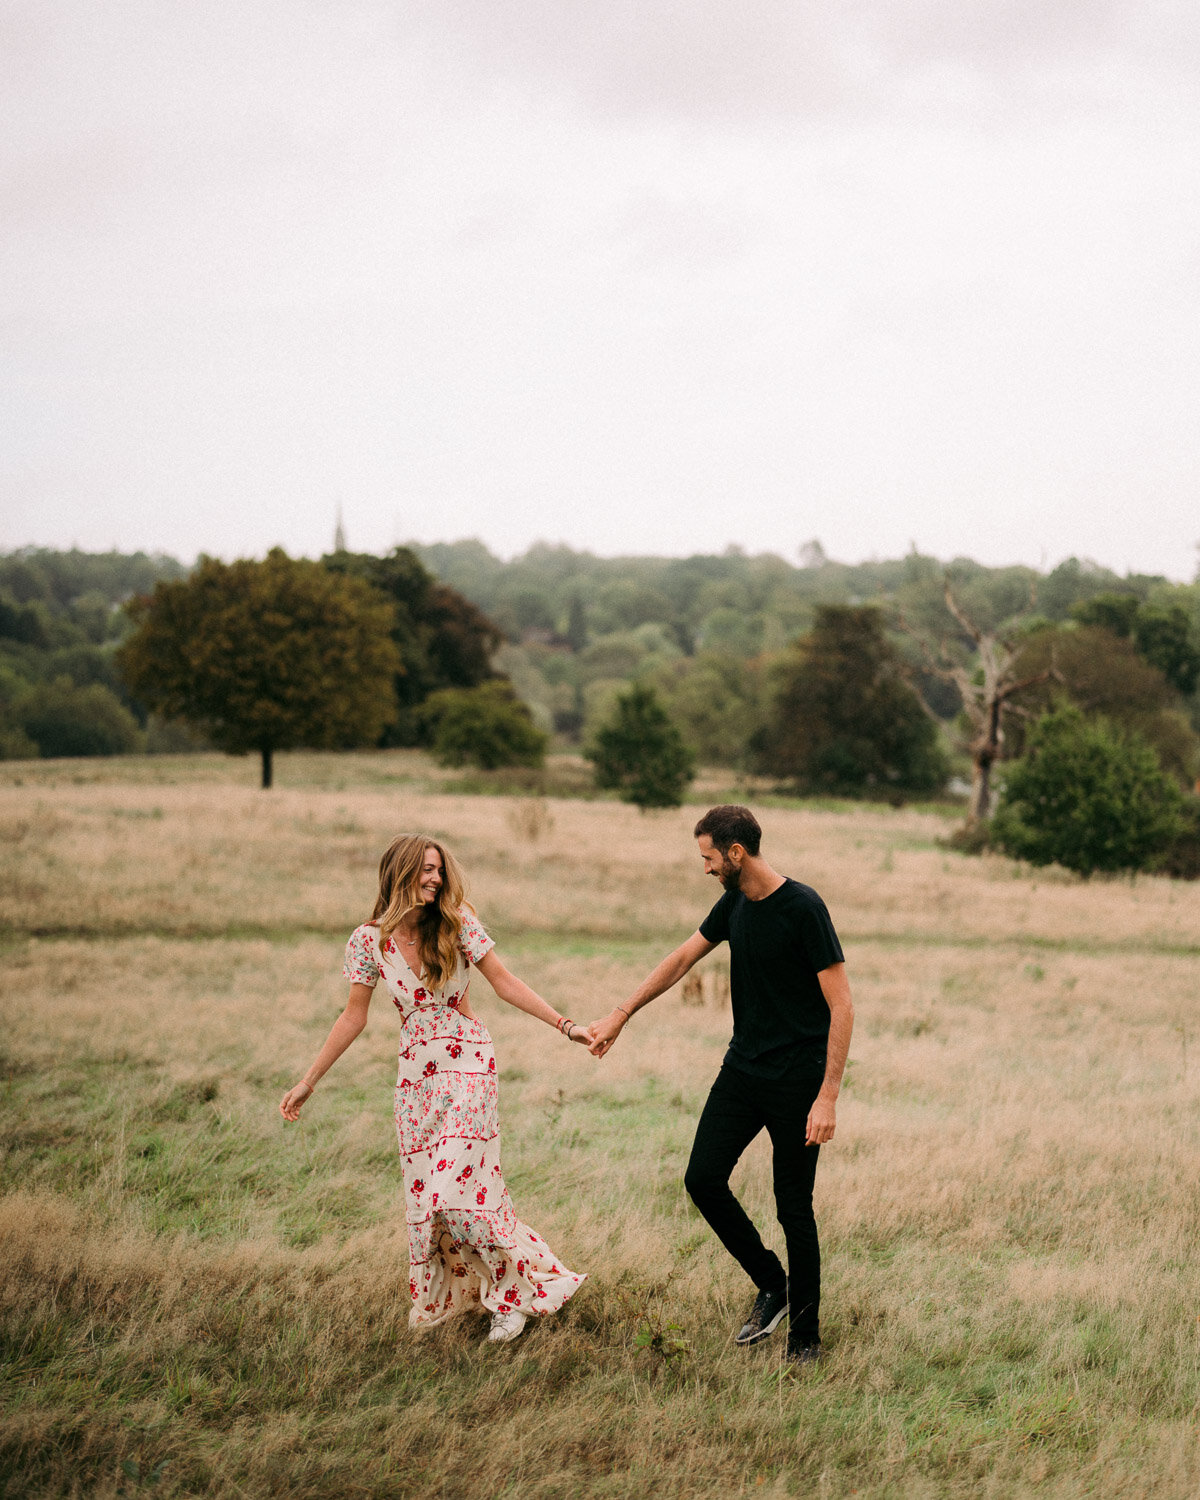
x,y
564,1026
628,1016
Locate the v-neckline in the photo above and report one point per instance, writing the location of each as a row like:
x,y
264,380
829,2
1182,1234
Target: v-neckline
x,y
418,981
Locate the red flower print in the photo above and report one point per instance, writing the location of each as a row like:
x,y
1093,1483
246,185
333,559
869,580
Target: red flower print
x,y
418,1186
454,1050
481,1196
513,1296
491,1064
420,994
397,1004
460,1269
389,946
412,1290
441,1166
430,1067
541,1290
502,1270
520,1268
453,1002
464,1174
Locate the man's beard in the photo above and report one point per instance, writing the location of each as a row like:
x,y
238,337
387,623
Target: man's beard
x,y
730,875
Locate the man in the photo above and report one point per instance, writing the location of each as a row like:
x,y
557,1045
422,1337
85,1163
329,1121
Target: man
x,y
792,1018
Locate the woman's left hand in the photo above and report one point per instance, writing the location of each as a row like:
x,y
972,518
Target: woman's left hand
x,y
289,1105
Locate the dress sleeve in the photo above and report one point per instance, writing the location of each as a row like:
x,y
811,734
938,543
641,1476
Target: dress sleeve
x,y
472,940
360,966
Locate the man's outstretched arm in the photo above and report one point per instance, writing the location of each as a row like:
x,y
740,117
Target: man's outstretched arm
x,y
822,1117
670,971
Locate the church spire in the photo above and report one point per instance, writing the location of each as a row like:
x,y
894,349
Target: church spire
x,y
339,532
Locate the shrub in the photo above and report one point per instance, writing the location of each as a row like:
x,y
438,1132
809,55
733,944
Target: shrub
x,y
486,726
639,753
15,744
971,838
1182,861
1087,797
63,719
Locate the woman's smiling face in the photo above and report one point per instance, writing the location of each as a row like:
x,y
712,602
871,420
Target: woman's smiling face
x,y
431,875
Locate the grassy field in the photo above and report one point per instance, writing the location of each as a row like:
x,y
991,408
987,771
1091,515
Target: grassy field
x,y
197,1299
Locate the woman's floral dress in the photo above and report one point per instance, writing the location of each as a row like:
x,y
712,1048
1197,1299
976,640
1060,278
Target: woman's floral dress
x,y
466,1245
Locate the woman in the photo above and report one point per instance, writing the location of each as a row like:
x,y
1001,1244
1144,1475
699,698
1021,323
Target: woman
x,y
466,1245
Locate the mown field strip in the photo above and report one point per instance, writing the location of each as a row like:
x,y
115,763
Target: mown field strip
x,y
532,938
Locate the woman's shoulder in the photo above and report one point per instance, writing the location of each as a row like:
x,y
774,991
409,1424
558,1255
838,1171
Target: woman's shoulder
x,y
473,941
362,954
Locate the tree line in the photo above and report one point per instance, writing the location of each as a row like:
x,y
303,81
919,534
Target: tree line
x,y
742,661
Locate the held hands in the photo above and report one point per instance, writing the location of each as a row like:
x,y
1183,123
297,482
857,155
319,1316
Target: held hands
x,y
604,1033
821,1121
289,1105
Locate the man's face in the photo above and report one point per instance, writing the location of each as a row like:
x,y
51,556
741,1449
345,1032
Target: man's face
x,y
726,867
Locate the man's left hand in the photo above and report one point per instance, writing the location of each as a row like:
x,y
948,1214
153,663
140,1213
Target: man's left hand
x,y
822,1121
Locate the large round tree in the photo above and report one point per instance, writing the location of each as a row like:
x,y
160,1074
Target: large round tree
x,y
265,656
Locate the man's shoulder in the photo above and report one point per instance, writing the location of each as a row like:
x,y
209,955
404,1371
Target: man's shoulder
x,y
796,893
718,914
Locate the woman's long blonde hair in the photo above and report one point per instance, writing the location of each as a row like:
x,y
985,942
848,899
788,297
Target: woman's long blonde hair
x,y
440,922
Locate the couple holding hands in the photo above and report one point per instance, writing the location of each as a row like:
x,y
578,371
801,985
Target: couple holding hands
x,y
792,1018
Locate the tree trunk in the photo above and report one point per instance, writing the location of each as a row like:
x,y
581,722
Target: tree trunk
x,y
266,769
980,806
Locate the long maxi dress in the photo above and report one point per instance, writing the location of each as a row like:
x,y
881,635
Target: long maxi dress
x,y
466,1245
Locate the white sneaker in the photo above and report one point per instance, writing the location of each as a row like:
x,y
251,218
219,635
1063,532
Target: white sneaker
x,y
506,1326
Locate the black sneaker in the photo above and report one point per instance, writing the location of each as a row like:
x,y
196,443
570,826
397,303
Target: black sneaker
x,y
769,1310
799,1355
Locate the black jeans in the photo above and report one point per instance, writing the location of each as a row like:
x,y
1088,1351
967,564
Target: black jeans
x,y
738,1107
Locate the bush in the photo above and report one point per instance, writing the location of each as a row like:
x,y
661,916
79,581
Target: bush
x,y
1087,797
971,838
639,753
15,744
1182,861
65,720
486,726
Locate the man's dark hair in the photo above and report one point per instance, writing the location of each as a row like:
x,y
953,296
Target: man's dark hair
x,y
730,824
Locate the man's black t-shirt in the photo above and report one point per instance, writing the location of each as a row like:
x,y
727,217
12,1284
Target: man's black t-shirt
x,y
777,947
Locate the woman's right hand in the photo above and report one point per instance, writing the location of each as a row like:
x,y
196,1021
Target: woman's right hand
x,y
289,1105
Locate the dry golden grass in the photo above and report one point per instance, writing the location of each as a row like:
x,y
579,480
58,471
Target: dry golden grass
x,y
198,1299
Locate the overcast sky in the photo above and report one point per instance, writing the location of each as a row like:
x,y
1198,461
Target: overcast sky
x,y
637,275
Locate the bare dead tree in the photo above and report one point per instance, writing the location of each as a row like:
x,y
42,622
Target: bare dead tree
x,y
987,689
